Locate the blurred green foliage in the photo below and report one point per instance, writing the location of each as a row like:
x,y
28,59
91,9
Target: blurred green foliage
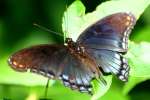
x,y
17,31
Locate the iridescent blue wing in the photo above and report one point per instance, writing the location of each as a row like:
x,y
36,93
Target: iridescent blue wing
x,y
56,62
107,40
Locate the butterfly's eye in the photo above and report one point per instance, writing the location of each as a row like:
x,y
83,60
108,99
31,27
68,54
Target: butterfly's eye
x,y
17,64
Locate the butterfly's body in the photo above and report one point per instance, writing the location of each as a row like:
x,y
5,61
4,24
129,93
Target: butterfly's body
x,y
98,50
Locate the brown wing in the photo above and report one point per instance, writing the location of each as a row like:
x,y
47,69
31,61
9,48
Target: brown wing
x,y
55,61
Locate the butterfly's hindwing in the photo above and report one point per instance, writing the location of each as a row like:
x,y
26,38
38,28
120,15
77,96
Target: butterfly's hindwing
x,y
111,62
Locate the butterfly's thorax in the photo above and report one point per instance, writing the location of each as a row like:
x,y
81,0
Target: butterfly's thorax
x,y
75,48
78,50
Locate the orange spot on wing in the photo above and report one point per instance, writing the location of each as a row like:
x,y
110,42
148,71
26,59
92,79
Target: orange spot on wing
x,y
128,18
127,23
15,63
21,66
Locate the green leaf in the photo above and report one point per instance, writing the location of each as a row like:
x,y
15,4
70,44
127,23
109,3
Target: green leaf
x,y
138,59
139,62
75,21
72,20
101,89
142,35
115,92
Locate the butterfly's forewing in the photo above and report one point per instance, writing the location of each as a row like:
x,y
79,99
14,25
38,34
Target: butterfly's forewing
x,y
56,61
109,33
107,40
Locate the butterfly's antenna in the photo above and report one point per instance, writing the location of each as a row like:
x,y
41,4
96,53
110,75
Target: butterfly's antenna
x,y
46,29
46,89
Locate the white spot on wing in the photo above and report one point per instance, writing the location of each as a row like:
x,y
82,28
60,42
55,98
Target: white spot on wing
x,y
65,77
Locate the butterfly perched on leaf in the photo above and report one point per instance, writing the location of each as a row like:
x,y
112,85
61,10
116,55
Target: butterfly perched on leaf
x,y
98,50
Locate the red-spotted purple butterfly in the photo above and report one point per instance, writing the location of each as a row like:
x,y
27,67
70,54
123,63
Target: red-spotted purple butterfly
x,y
97,51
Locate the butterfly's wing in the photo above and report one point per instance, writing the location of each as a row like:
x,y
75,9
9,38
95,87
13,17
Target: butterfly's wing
x,y
107,40
55,61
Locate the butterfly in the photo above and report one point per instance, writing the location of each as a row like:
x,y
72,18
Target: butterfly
x,y
98,51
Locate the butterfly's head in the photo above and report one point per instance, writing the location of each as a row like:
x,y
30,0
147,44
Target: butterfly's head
x,y
68,40
17,63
